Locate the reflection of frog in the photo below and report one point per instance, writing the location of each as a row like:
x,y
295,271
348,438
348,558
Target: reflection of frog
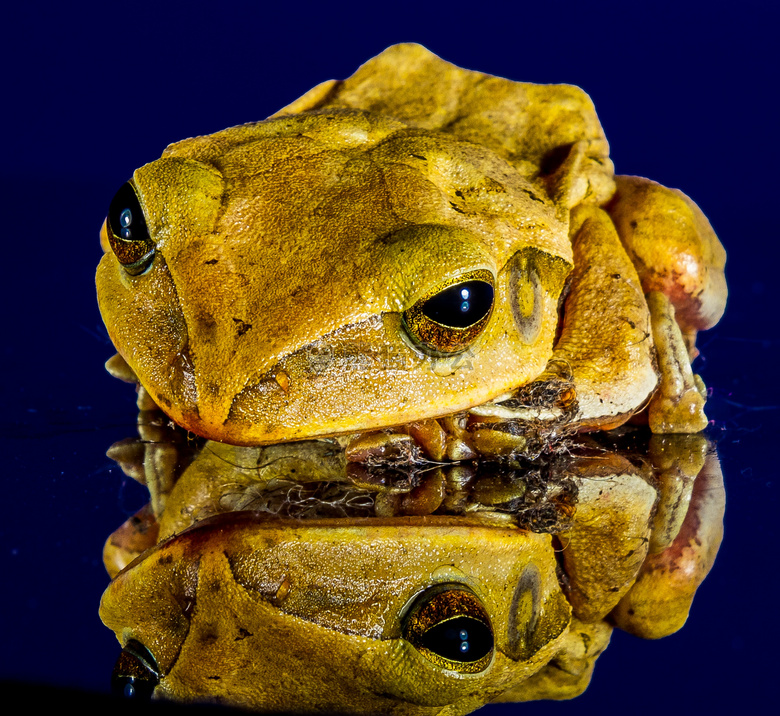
x,y
296,615
415,590
395,248
421,262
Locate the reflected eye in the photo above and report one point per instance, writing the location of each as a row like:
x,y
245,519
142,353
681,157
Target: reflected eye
x,y
135,673
127,231
449,626
450,319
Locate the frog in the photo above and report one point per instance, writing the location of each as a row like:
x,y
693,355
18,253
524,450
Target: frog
x,y
422,267
435,592
419,249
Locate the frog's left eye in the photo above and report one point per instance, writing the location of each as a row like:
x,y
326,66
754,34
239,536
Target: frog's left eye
x,y
449,626
449,319
135,673
127,231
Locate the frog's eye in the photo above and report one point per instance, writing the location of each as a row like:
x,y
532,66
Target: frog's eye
x,y
449,319
127,232
449,626
135,673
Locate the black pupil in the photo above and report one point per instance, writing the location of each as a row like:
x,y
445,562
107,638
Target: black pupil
x,y
125,217
461,305
459,639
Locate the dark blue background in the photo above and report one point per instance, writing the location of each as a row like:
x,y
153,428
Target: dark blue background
x,y
687,96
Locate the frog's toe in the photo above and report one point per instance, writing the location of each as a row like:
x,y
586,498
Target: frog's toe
x,y
678,405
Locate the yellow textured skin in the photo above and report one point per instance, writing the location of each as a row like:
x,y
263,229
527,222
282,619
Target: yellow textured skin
x,y
212,602
674,248
229,576
286,252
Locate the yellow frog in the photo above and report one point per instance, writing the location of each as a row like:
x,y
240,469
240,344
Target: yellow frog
x,y
419,263
414,243
274,580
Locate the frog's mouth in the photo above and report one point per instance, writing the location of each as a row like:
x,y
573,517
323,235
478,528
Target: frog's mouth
x,y
529,422
503,461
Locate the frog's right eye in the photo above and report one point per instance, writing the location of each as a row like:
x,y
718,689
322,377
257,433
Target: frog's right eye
x,y
135,673
449,626
127,231
449,319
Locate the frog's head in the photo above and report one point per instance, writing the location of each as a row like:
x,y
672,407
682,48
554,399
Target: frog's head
x,y
327,273
290,616
339,269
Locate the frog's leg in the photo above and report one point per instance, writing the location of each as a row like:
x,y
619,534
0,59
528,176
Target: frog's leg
x,y
155,459
604,548
602,370
605,343
659,601
677,256
678,405
676,461
161,452
676,253
674,249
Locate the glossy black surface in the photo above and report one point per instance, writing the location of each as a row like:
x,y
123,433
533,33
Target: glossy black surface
x,y
687,97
